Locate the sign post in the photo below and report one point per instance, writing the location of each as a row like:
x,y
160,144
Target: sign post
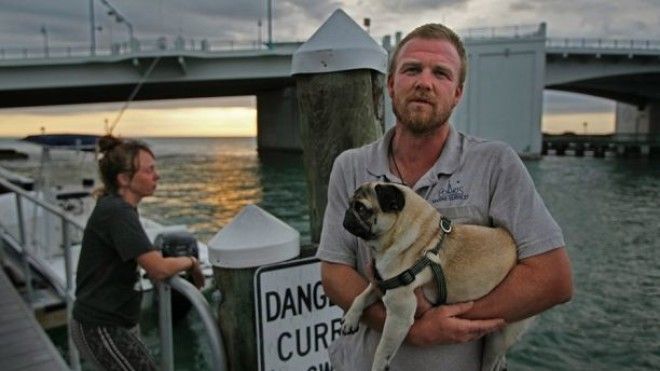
x,y
295,321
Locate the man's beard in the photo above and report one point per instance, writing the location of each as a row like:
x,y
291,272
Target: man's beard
x,y
418,122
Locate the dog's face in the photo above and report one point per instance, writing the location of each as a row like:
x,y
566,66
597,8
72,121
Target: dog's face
x,y
373,209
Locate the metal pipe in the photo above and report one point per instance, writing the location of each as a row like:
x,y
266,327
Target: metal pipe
x,y
44,32
74,357
165,327
24,249
52,208
270,24
210,325
92,28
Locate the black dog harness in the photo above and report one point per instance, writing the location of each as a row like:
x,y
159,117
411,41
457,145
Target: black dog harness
x,y
408,276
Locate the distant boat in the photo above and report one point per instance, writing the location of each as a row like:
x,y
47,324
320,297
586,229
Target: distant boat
x,y
82,142
12,154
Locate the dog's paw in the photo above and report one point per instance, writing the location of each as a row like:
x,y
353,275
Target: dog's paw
x,y
350,323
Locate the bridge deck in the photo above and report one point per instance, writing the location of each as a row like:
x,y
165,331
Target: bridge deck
x,y
23,343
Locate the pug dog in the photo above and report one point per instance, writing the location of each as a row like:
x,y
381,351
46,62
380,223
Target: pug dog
x,y
401,228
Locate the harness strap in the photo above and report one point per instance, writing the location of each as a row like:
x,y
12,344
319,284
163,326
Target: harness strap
x,y
408,276
440,283
404,278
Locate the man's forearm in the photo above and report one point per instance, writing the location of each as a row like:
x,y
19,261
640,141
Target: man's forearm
x,y
533,285
342,284
436,326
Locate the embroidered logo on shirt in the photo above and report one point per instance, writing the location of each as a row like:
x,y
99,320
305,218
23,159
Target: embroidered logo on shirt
x,y
451,193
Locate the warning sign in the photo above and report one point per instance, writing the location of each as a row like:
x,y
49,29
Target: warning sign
x,y
296,322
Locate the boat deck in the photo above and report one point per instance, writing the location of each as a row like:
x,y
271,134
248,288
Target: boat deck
x,y
24,345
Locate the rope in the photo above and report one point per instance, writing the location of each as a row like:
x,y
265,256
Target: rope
x,y
133,94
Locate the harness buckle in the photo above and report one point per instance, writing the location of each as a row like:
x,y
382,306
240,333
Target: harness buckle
x,y
406,277
445,225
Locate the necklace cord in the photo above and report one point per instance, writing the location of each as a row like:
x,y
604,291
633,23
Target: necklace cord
x,y
390,152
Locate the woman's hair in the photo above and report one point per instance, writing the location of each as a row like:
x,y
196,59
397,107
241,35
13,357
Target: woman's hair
x,y
118,156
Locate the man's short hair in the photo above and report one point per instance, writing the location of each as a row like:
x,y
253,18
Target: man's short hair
x,y
433,31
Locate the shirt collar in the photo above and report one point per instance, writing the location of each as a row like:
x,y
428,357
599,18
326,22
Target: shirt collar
x,y
447,163
378,158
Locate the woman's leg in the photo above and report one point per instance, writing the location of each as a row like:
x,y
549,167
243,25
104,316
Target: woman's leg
x,y
113,348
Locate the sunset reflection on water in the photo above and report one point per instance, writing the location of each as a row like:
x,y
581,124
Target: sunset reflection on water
x,y
206,190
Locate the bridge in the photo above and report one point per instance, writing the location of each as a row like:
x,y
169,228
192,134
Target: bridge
x,y
520,61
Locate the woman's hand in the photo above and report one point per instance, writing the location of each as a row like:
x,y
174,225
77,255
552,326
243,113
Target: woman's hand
x,y
196,273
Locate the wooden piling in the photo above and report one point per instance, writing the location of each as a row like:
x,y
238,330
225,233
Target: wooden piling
x,y
236,316
338,111
340,80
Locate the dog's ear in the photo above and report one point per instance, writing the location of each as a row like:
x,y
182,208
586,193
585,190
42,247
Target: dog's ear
x,y
390,197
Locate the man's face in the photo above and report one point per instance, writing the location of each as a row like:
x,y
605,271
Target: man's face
x,y
425,86
144,181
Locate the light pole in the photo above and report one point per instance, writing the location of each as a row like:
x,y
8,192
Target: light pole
x,y
259,32
119,18
44,32
270,23
92,28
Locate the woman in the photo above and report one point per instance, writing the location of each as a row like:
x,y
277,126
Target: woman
x,y
108,295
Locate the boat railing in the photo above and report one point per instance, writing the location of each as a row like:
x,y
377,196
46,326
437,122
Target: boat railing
x,y
200,304
20,243
67,291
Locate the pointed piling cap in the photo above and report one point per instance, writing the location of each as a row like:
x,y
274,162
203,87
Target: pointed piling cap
x,y
339,44
253,238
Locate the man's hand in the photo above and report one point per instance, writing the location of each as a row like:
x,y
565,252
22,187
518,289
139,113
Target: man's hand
x,y
423,304
441,325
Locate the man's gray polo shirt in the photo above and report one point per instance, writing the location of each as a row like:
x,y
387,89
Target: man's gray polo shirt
x,y
474,181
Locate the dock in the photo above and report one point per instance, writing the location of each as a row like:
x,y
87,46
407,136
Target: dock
x,y
618,144
24,345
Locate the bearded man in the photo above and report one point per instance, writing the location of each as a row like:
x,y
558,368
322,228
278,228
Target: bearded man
x,y
469,180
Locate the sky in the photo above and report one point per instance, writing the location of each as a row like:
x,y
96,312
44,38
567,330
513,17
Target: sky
x,y
24,23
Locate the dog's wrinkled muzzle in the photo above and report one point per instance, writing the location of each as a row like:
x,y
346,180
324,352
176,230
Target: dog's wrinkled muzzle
x,y
357,226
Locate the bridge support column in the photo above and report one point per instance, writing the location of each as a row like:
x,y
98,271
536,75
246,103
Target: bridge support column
x,y
631,119
654,118
278,128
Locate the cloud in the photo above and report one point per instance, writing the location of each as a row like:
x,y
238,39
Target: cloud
x,y
68,22
416,6
592,18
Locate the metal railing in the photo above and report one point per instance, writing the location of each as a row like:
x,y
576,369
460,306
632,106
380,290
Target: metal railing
x,y
176,44
165,322
23,246
67,290
135,47
515,31
593,43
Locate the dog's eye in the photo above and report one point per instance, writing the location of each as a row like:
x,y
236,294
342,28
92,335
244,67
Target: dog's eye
x,y
362,210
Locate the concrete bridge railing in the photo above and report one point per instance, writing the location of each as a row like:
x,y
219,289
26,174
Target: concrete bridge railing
x,y
131,47
600,44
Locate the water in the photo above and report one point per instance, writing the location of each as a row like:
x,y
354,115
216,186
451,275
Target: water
x,y
608,208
